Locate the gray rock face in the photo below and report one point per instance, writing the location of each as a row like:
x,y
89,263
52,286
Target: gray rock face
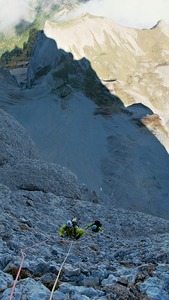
x,y
41,67
15,143
6,80
20,170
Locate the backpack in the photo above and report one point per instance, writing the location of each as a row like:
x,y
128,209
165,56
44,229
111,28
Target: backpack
x,y
97,223
75,222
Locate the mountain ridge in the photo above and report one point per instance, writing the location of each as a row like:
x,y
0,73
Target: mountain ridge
x,y
125,47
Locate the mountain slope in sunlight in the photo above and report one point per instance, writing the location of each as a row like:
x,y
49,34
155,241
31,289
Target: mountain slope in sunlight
x,y
131,62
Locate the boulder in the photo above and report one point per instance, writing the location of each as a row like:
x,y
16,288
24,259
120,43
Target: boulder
x,y
36,175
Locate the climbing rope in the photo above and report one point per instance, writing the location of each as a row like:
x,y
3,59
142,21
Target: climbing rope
x,y
33,246
20,267
71,244
60,271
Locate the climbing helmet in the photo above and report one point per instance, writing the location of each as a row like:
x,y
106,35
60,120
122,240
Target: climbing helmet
x,y
69,223
94,227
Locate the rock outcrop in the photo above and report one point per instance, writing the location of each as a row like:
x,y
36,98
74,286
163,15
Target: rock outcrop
x,y
15,143
37,175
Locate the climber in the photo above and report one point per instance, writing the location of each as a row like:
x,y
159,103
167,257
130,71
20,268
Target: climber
x,y
68,230
96,226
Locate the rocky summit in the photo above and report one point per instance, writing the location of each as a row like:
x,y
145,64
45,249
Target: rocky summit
x,y
84,133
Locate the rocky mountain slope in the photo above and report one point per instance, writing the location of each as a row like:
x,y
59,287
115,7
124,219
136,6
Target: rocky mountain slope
x,y
132,63
129,260
69,147
126,59
75,120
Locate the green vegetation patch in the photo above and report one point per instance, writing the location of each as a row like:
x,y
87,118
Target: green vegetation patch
x,y
11,58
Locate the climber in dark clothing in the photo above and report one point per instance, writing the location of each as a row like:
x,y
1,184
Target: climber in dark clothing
x,y
96,226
